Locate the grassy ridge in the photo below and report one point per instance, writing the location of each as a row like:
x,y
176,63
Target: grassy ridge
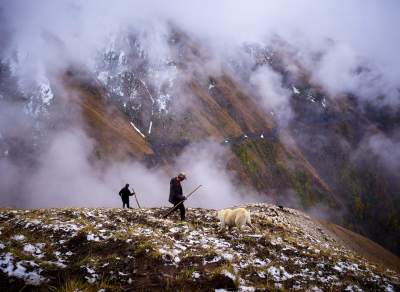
x,y
116,250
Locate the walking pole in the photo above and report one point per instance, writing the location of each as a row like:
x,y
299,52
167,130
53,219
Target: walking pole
x,y
177,205
137,202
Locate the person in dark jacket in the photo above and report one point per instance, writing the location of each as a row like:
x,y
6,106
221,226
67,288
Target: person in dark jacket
x,y
175,193
125,193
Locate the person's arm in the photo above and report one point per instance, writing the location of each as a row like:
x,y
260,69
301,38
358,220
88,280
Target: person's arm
x,y
183,198
179,192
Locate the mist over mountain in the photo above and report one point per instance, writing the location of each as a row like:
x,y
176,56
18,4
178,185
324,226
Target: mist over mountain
x,y
291,103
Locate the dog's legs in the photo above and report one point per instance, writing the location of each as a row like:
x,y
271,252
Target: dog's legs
x,y
251,226
240,222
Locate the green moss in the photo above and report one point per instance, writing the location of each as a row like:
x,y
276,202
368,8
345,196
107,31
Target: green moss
x,y
344,130
146,249
350,178
359,206
277,165
302,184
253,153
243,153
268,166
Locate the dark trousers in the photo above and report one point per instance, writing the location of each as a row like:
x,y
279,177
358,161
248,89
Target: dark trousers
x,y
181,209
125,201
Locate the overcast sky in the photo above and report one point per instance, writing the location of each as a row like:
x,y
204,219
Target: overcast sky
x,y
362,28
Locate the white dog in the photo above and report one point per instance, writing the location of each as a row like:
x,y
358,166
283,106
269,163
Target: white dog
x,y
237,217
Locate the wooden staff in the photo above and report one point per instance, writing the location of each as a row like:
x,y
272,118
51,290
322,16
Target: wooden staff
x,y
137,202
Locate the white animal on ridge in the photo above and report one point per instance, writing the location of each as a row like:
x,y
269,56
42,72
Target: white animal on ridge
x,y
238,217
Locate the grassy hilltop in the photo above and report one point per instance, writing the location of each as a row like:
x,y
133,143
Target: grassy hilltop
x,y
120,250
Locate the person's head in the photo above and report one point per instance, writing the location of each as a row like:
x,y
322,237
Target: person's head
x,y
181,176
127,186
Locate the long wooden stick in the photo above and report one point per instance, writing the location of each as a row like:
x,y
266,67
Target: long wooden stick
x,y
137,202
177,205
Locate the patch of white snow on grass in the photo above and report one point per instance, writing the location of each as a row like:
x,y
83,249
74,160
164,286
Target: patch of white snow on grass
x,y
174,230
228,257
19,270
247,288
261,263
177,259
276,241
279,274
19,237
144,231
92,237
214,260
93,277
389,288
342,267
353,288
229,275
35,250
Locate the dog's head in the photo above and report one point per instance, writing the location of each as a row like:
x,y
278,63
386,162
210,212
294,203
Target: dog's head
x,y
220,214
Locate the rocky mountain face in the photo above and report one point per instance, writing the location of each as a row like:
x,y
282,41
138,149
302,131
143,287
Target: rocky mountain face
x,y
141,108
119,250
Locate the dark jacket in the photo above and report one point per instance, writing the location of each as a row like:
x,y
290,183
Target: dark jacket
x,y
175,191
125,193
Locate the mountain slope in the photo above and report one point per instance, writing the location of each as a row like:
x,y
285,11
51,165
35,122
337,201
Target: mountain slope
x,y
137,106
223,113
115,249
362,246
115,137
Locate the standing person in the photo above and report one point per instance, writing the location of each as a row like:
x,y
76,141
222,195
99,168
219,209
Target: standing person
x,y
175,193
125,193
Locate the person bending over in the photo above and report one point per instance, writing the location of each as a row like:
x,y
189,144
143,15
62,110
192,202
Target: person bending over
x,y
175,193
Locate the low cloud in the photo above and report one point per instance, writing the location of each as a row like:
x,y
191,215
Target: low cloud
x,y
206,165
385,149
48,34
274,97
67,177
